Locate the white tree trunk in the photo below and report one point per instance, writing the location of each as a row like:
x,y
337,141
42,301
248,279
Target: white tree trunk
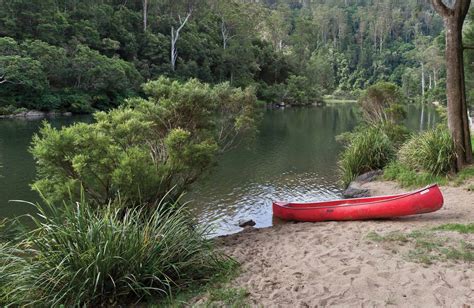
x,y
174,39
145,14
422,80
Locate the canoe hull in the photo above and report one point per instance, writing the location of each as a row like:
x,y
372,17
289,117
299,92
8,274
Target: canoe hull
x,y
425,200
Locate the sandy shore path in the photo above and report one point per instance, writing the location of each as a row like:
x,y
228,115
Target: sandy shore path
x,y
334,264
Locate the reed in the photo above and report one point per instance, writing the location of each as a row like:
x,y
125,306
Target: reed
x,y
367,149
78,256
431,151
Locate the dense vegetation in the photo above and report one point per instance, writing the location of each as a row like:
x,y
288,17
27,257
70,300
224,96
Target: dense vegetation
x,y
79,256
85,55
147,147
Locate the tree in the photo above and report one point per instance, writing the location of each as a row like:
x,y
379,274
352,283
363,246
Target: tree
x,y
453,17
382,103
174,39
147,147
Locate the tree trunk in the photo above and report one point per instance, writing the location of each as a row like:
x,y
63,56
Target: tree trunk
x,y
422,81
145,14
456,93
458,123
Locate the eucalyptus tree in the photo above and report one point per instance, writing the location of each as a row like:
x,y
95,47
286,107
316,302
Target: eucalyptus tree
x,y
453,15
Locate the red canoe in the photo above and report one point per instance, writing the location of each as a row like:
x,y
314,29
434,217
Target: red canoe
x,y
426,200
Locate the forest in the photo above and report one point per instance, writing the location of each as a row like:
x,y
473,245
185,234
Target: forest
x,y
82,56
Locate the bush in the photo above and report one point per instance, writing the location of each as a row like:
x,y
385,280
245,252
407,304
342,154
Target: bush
x,y
431,151
300,91
86,257
145,148
382,102
369,148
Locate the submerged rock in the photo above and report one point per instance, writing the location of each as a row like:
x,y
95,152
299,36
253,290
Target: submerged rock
x,y
246,223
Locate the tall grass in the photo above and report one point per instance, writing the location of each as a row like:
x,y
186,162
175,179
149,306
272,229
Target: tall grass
x,y
431,151
367,149
77,256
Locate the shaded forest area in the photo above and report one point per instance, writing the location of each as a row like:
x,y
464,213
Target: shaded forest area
x,y
82,55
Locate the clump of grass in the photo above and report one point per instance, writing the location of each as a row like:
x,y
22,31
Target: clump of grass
x,y
367,149
431,151
461,228
463,175
227,297
427,248
406,177
78,256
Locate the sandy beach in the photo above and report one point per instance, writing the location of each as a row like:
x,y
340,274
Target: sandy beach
x,y
335,264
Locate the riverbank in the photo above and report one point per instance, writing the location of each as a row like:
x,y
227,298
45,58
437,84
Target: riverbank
x,y
360,263
34,114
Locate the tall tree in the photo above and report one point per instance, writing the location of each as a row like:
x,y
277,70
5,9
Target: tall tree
x,y
453,17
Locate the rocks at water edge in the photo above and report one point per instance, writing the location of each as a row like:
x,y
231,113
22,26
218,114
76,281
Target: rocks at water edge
x,y
36,114
246,223
355,189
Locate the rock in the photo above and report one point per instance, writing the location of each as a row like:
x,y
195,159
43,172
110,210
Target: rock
x,y
53,113
246,223
35,114
67,114
368,176
355,189
355,192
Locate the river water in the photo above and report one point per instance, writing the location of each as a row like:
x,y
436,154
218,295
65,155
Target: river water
x,y
294,157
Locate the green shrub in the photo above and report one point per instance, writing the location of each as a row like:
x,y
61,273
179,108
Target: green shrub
x,y
367,149
86,257
383,102
431,151
145,148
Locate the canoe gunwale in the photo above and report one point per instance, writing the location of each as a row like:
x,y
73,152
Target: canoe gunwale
x,y
389,199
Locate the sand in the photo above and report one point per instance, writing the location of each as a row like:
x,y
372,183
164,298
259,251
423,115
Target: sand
x,y
334,264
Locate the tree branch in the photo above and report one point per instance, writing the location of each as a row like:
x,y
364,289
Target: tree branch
x,y
467,47
441,8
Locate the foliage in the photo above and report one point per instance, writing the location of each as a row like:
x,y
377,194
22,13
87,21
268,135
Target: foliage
x,y
408,177
146,147
431,151
78,256
300,91
382,103
102,50
368,148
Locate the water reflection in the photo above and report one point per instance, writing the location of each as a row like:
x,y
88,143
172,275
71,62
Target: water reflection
x,y
294,157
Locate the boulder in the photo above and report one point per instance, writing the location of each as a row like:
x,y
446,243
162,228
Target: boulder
x,y
368,176
355,189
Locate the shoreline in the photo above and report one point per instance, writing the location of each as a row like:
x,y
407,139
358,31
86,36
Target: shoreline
x,y
335,264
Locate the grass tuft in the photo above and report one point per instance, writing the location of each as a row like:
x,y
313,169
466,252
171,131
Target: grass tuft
x,y
431,151
77,256
407,177
367,149
426,247
461,228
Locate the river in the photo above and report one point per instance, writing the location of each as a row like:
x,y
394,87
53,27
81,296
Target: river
x,y
294,157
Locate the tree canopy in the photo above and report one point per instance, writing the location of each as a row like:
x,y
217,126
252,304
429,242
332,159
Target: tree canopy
x,y
85,55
